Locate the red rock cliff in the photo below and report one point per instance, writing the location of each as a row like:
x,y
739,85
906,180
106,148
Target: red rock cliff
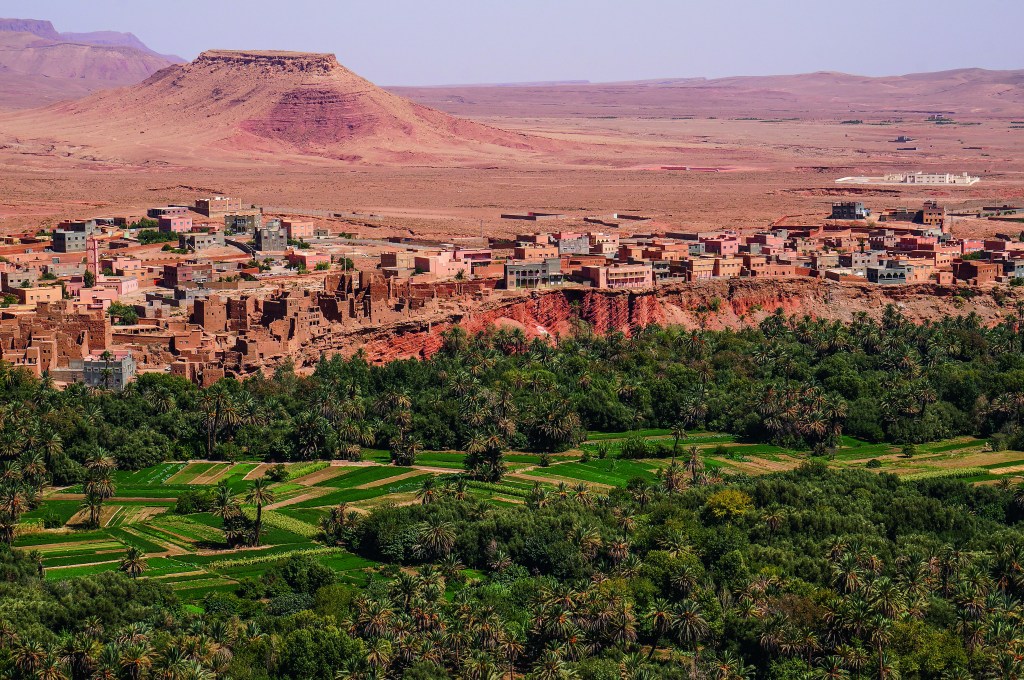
x,y
709,304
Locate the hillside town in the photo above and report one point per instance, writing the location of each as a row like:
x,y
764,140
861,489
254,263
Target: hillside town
x,y
218,288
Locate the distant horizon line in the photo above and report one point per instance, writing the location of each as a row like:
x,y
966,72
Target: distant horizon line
x,y
582,81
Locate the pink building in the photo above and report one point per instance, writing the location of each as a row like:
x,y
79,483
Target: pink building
x,y
971,246
721,244
307,259
767,239
474,255
535,252
297,230
604,244
620,276
96,298
177,224
121,285
120,264
907,243
443,265
728,267
539,238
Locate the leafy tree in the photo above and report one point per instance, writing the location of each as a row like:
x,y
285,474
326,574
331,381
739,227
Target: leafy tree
x,y
122,314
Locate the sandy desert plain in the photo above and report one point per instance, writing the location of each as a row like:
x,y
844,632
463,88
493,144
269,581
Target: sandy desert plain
x,y
776,160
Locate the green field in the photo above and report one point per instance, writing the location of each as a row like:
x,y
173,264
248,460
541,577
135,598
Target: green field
x,y
610,471
364,475
189,552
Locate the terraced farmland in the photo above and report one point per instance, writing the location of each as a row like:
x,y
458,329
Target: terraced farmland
x,y
190,552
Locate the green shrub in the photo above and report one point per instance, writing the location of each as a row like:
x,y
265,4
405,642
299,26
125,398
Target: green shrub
x,y
277,473
193,501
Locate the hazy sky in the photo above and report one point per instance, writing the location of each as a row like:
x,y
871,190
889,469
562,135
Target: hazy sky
x,y
414,42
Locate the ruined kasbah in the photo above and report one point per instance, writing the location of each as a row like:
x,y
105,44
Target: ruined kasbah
x,y
215,289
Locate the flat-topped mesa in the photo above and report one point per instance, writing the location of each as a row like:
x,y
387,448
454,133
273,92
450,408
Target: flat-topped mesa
x,y
40,27
270,61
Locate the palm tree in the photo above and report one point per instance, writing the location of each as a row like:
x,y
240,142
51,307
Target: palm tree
x,y
98,488
259,494
136,658
618,550
97,460
33,469
51,668
224,502
659,618
695,464
457,488
436,538
773,519
133,563
12,504
212,404
550,666
29,657
626,521
108,358
671,477
690,626
581,494
678,432
588,538
336,524
378,656
427,493
405,449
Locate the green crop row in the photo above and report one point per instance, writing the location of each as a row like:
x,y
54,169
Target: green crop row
x,y
271,557
363,475
301,470
504,489
296,526
947,473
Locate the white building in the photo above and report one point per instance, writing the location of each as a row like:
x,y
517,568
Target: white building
x,y
931,178
918,178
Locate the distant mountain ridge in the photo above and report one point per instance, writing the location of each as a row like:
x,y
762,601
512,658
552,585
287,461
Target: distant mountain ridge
x,y
44,29
38,65
822,94
117,39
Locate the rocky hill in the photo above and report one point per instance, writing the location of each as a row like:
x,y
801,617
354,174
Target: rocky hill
x,y
238,105
38,65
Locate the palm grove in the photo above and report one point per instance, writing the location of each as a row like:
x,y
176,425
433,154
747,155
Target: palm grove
x,y
811,573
